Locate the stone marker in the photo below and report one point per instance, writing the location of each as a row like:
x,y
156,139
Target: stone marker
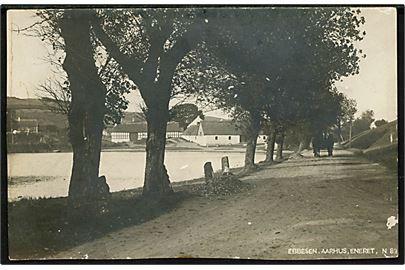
x,y
103,189
208,171
225,165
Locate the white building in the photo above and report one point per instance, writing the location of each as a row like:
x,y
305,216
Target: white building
x,y
261,139
213,133
133,132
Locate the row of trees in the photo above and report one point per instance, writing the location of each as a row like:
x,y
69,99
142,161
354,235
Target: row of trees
x,y
272,69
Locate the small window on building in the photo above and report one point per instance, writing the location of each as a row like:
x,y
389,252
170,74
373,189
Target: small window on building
x,y
229,138
216,138
264,137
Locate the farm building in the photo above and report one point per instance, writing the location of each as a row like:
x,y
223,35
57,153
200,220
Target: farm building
x,y
25,125
211,133
214,131
132,132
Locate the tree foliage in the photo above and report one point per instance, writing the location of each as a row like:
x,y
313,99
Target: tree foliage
x,y
56,92
364,122
380,122
184,114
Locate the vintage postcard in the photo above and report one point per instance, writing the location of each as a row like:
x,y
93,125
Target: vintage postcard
x,y
233,133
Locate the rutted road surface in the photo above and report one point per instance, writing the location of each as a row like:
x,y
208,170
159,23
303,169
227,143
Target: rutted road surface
x,y
305,208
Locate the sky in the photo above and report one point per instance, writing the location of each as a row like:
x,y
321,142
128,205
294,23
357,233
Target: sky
x,y
374,88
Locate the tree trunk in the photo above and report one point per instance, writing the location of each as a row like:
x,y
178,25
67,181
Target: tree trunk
x,y
250,151
252,133
156,183
304,144
280,147
87,106
271,141
339,126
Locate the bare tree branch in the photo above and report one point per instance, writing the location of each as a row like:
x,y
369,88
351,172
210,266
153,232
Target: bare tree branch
x,y
55,96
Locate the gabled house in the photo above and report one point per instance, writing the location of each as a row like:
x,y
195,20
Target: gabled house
x,y
212,133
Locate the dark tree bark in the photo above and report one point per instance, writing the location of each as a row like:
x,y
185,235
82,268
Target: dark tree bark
x,y
252,132
271,141
250,151
154,79
304,144
280,145
339,126
87,106
156,182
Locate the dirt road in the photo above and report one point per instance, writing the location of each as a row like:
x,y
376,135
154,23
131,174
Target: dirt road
x,y
300,209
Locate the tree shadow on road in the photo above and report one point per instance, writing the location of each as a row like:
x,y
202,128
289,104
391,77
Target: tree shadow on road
x,y
40,228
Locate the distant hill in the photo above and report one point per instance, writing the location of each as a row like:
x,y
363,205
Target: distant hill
x,y
26,103
36,109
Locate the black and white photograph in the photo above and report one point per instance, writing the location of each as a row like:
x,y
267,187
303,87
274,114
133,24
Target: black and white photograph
x,y
235,133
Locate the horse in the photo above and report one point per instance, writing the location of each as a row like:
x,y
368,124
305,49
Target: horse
x,y
322,141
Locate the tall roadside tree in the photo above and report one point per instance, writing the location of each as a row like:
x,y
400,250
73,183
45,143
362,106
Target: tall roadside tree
x,y
149,44
244,100
327,54
277,66
88,85
345,117
86,112
244,44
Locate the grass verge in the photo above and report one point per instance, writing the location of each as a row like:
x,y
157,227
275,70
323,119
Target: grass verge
x,y
42,227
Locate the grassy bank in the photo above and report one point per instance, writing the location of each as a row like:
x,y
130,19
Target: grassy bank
x,y
40,228
385,155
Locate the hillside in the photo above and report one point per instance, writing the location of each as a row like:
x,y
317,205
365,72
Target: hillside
x,y
379,144
26,103
375,137
35,109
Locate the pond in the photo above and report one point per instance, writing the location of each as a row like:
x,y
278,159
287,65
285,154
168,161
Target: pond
x,y
47,174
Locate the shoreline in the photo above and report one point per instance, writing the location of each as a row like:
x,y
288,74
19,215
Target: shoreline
x,y
136,190
168,149
192,181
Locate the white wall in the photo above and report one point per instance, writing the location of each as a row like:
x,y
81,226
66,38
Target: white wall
x,y
212,140
171,134
261,139
117,137
190,138
142,135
